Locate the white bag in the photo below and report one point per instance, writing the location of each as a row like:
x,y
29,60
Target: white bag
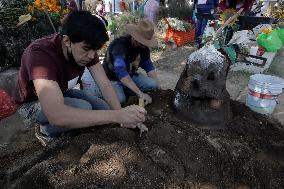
x,y
201,2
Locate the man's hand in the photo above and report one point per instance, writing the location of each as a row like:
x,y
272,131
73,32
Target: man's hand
x,y
146,97
129,126
140,126
130,116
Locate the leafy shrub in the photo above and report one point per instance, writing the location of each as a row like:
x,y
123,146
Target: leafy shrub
x,y
14,39
278,12
118,22
180,9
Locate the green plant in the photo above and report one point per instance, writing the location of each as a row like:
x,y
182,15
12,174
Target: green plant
x,y
118,22
177,9
50,9
14,39
278,11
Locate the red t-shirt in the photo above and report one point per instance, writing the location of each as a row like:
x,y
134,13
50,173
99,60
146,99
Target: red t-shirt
x,y
246,4
44,59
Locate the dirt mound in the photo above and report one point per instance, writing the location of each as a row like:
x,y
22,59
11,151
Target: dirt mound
x,y
248,153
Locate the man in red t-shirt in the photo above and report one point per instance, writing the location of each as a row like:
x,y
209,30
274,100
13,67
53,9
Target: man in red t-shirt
x,y
53,65
236,4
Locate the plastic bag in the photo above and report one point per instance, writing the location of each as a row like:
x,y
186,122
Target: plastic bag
x,y
271,42
7,108
259,29
239,37
281,34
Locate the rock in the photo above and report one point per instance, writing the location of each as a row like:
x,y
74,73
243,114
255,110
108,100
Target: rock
x,y
200,94
8,80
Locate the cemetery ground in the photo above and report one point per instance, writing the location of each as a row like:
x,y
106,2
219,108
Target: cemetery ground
x,y
247,153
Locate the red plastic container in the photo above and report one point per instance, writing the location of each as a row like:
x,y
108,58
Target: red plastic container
x,y
180,37
7,108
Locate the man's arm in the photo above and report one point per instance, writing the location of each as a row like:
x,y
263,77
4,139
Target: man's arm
x,y
52,102
123,76
105,86
129,83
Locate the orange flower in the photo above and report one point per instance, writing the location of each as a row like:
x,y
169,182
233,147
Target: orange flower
x,y
31,8
267,31
50,6
37,3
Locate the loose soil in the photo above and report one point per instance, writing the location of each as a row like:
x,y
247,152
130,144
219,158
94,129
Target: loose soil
x,y
247,153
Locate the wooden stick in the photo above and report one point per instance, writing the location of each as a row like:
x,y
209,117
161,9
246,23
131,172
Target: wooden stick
x,y
141,102
49,20
141,126
218,32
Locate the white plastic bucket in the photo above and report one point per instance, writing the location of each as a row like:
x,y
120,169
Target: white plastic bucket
x,y
263,92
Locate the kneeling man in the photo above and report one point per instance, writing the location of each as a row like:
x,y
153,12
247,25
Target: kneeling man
x,y
123,58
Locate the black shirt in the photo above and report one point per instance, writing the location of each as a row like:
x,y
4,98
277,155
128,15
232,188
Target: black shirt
x,y
122,47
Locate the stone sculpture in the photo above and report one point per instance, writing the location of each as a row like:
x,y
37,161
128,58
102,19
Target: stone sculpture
x,y
200,94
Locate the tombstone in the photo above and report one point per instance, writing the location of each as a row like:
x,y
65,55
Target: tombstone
x,y
200,94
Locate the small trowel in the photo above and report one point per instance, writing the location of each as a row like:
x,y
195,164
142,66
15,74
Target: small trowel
x,y
141,126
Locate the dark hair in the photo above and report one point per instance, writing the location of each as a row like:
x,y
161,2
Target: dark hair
x,y
103,19
83,26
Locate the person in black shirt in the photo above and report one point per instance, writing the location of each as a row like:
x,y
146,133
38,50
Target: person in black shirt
x,y
123,58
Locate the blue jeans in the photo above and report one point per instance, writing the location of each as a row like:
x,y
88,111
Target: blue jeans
x,y
75,98
199,29
144,83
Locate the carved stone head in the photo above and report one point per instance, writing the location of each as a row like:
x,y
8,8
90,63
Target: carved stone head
x,y
200,95
205,74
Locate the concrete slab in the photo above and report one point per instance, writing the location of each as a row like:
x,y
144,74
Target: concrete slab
x,y
241,66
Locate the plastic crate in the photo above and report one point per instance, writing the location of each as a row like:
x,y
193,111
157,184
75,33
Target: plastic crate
x,y
180,37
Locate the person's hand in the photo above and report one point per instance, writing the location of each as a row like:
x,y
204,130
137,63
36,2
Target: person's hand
x,y
140,126
129,126
130,116
146,97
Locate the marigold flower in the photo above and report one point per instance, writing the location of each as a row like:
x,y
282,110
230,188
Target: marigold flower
x,y
30,8
267,31
49,6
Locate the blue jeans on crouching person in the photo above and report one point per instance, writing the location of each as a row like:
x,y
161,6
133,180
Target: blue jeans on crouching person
x,y
73,97
201,24
144,83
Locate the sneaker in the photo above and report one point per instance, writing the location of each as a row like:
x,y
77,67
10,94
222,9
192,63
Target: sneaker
x,y
43,139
